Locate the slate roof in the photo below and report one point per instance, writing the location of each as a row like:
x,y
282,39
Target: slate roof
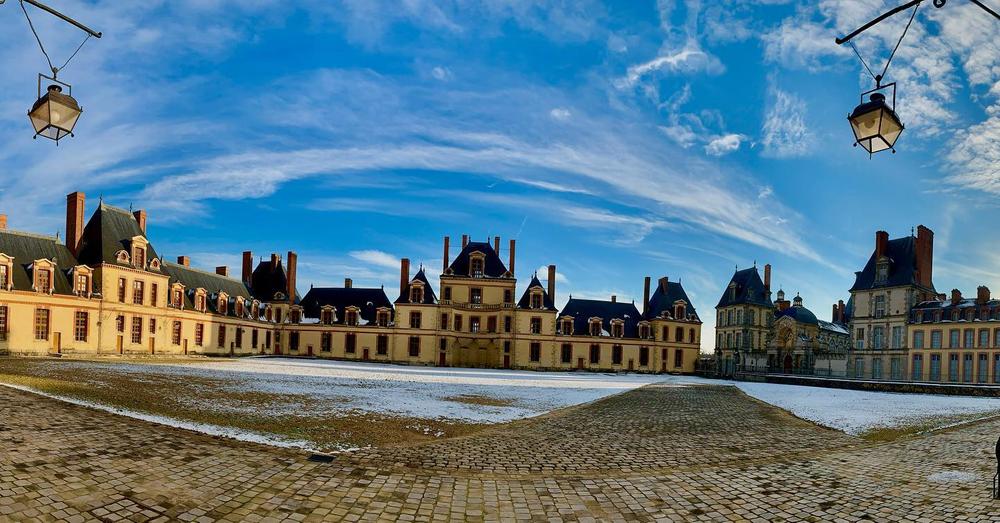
x,y
25,248
902,254
749,290
663,299
583,310
837,328
493,266
109,230
266,282
799,314
212,283
947,308
368,300
429,297
525,301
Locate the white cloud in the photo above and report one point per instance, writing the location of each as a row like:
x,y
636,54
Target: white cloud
x,y
560,113
724,144
376,258
688,60
543,275
441,73
785,132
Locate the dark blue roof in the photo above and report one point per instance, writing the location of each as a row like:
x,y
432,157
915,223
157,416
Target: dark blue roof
x,y
947,309
429,297
663,298
583,310
799,314
493,268
902,254
525,301
368,301
269,282
749,290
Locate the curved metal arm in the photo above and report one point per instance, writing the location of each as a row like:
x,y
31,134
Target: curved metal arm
x,y
65,18
937,3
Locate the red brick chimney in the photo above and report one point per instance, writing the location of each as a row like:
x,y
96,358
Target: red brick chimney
x,y
841,311
663,283
767,278
74,221
447,242
465,240
551,281
925,256
496,245
510,266
184,260
645,295
881,244
956,296
247,273
222,270
292,262
404,274
348,283
140,218
275,260
3,222
982,294
836,313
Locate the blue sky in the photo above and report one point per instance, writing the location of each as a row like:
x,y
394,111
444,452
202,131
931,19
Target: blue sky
x,y
616,140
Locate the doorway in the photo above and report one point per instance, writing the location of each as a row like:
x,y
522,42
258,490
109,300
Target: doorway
x,y
185,346
364,355
442,359
788,364
152,345
120,344
579,363
57,342
506,361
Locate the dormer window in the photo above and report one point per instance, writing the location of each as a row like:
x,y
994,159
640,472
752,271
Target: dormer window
x,y
139,256
154,265
326,315
382,318
567,327
267,313
477,265
177,296
43,280
618,328
882,271
81,283
239,307
122,257
351,318
680,311
223,304
295,316
417,293
644,330
536,299
595,326
200,300
6,270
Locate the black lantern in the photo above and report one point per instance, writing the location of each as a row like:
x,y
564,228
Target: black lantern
x,y
875,124
54,114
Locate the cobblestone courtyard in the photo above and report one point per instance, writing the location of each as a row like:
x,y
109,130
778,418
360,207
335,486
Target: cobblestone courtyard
x,y
656,453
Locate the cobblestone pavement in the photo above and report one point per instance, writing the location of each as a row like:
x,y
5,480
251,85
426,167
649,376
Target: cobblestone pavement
x,y
658,453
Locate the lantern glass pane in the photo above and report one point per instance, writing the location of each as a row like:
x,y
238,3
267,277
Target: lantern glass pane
x,y
866,125
63,116
891,129
878,143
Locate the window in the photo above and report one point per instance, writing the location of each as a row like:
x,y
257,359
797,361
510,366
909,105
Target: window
x,y
953,339
880,306
458,322
474,324
153,291
200,303
616,355
535,352
120,323
350,343
967,367
918,367
508,296
239,337
935,339
895,371
918,340
80,326
44,280
678,358
82,283
595,327
475,295
476,267
679,334
414,346
644,331
382,318
536,300
984,368
175,333
881,272
4,277
446,294
223,307
417,294
352,317
953,367
175,298
3,322
618,329
253,338
595,353
877,368
415,320
326,316
382,345
935,367
444,322
222,336
897,337
984,338
139,257
152,325
878,340
691,336
137,291
536,325
199,334
996,368
293,341
643,356
41,324
859,367
567,327
506,323
859,338
566,354
491,324
970,338
136,329
666,335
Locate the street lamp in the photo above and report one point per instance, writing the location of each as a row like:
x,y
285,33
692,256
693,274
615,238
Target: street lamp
x,y
54,114
875,124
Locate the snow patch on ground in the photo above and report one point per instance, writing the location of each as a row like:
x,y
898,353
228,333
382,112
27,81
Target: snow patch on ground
x,y
952,476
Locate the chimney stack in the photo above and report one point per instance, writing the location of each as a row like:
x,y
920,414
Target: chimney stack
x,y
663,283
767,278
222,270
510,266
983,294
551,281
290,276
348,283
496,244
925,256
881,244
247,272
404,274
74,221
841,311
275,260
956,296
614,298
447,242
836,312
184,260
140,218
465,240
645,295
3,222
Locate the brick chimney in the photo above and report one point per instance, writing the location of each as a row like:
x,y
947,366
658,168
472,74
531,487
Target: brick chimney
x,y
551,281
348,283
956,296
74,221
222,270
140,218
510,266
3,222
881,244
645,294
767,278
290,271
247,272
925,256
184,260
836,313
614,298
275,260
404,274
496,244
447,242
841,311
662,284
465,240
982,294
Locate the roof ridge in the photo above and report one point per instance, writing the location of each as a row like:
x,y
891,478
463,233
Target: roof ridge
x,y
32,235
195,269
110,207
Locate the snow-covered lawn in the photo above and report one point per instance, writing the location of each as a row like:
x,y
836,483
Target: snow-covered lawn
x,y
472,395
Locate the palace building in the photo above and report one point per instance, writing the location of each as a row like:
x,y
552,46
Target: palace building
x,y
106,291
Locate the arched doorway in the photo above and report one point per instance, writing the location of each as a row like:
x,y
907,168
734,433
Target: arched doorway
x,y
788,364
